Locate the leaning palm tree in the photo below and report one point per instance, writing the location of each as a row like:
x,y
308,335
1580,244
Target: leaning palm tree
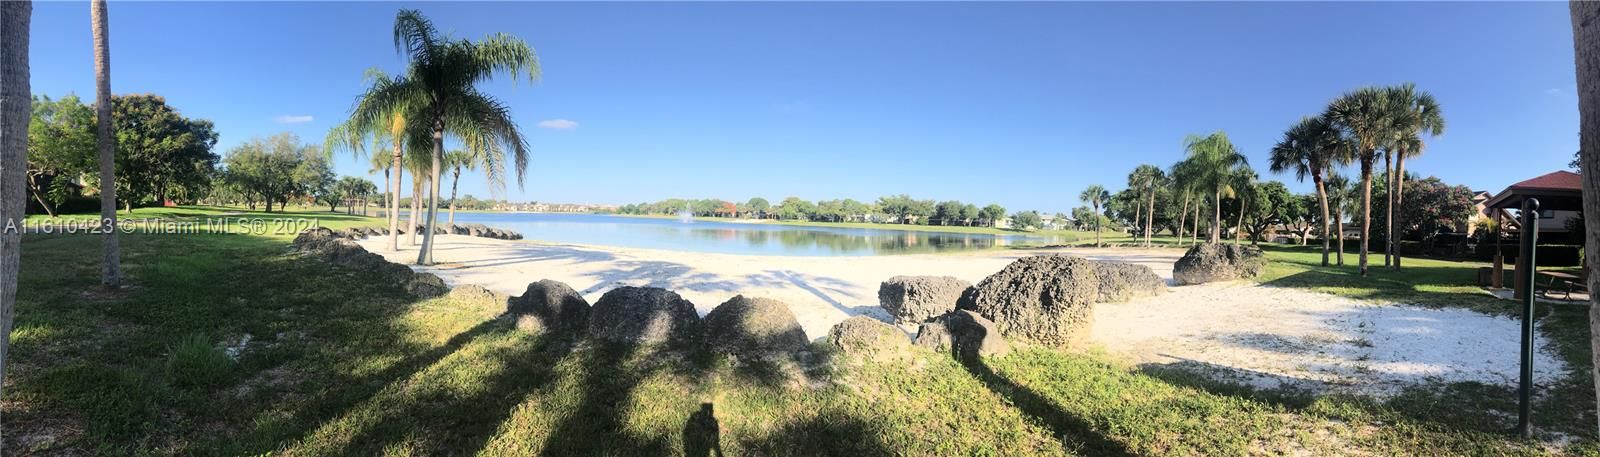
x,y
1341,200
1313,147
105,142
1146,181
388,131
472,159
1366,116
381,164
440,85
16,103
1095,196
1417,114
1212,158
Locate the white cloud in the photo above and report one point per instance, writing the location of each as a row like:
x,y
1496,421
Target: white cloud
x,y
558,124
293,119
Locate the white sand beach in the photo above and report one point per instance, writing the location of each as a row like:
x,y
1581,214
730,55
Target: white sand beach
x,y
1242,331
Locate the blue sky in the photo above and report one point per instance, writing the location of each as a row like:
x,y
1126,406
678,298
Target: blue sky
x,y
1021,104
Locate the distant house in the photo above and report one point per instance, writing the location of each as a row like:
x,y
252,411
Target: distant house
x,y
1556,189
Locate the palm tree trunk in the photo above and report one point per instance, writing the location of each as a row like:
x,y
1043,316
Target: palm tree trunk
x,y
416,207
1338,222
455,178
1149,219
16,105
1322,200
1586,41
1183,213
1388,209
394,198
1366,215
1216,219
111,249
425,255
1097,226
1399,197
1238,227
1194,237
1137,211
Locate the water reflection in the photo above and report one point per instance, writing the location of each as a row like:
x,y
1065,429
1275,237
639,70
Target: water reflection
x,y
737,238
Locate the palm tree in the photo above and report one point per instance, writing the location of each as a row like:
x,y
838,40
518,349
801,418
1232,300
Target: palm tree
x,y
1312,148
389,131
1183,183
439,84
1418,115
1146,180
1212,158
16,103
1095,195
111,262
1366,116
1341,199
382,164
1243,181
1586,41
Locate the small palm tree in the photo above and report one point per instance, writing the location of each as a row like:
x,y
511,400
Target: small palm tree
x,y
1146,181
1417,114
1366,115
1313,147
1182,184
1095,196
440,87
1211,161
472,159
1242,179
1341,200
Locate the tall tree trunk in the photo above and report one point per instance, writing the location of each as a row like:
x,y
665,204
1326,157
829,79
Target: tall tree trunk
x,y
425,255
394,198
1183,213
1097,226
1388,209
1399,198
16,105
1149,219
1322,200
1238,227
1586,41
1137,210
1216,218
111,250
1338,222
1195,233
455,179
1366,214
416,208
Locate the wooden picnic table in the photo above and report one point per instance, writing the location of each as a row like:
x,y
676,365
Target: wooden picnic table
x,y
1569,278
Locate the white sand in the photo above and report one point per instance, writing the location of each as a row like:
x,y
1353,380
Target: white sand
x,y
1263,336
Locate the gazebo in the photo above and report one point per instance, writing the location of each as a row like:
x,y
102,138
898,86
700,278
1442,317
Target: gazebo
x,y
1556,191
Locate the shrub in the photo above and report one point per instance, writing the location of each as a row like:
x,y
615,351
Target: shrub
x,y
194,362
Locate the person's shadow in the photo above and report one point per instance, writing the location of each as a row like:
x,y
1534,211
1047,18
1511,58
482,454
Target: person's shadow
x,y
702,436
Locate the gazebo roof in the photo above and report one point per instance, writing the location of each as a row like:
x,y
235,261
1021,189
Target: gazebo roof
x,y
1559,190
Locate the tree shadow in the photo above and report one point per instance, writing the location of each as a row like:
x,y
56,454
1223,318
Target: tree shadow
x,y
1069,428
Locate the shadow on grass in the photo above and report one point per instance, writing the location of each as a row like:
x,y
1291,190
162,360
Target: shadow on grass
x,y
1070,428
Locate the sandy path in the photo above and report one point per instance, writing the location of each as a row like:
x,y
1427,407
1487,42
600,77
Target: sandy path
x,y
1263,336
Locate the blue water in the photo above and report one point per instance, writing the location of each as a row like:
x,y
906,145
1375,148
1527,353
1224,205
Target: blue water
x,y
734,238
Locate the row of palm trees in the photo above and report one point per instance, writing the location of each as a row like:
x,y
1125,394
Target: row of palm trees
x,y
411,114
1358,127
1361,126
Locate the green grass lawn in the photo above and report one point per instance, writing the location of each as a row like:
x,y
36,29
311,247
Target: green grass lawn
x,y
341,363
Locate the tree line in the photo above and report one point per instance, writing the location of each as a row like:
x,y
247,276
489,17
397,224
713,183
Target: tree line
x,y
896,209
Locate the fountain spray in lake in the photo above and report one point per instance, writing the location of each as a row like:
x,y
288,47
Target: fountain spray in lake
x,y
684,216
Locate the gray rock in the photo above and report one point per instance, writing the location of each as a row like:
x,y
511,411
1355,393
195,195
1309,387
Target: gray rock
x,y
1218,262
313,239
643,316
1041,299
478,298
548,306
913,299
1121,281
426,285
862,336
964,334
753,327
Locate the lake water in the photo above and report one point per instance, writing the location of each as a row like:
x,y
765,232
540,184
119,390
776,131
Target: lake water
x,y
734,237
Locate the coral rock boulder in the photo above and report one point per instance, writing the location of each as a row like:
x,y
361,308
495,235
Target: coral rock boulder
x,y
1041,299
1218,262
753,327
913,299
643,316
548,306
